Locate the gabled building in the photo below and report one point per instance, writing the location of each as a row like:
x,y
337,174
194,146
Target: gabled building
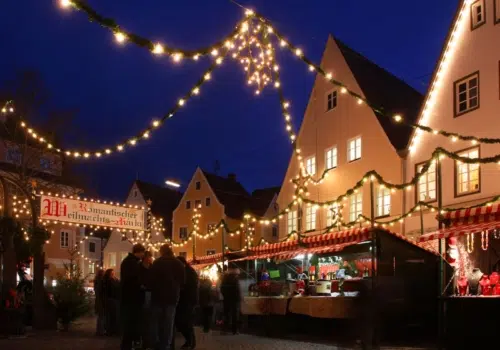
x,y
162,202
346,138
216,199
464,98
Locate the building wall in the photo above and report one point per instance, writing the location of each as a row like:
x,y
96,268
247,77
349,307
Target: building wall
x,y
473,51
322,129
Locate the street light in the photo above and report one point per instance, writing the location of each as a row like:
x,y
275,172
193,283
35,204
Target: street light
x,y
172,184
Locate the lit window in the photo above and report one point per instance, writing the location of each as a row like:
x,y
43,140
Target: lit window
x,y
207,202
332,214
477,14
210,251
292,221
468,179
112,259
310,218
64,239
188,204
331,101
383,201
467,94
91,268
274,232
183,232
311,165
427,184
331,158
197,203
198,185
355,206
91,247
354,149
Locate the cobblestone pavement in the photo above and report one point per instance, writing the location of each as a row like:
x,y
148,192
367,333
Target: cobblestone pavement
x,y
81,337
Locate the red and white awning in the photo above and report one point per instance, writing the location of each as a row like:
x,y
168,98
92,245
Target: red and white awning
x,y
348,236
460,230
486,213
276,247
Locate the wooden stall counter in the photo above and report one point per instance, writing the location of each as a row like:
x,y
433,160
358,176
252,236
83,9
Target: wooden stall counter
x,y
340,307
264,305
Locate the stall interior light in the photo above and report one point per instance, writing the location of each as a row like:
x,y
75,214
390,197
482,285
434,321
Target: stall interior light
x,y
172,184
365,242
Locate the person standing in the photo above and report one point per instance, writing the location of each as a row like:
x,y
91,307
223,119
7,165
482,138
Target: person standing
x,y
111,292
231,292
131,296
168,276
185,308
99,302
207,299
146,277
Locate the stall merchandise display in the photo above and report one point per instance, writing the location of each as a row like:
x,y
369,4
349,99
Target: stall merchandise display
x,y
485,285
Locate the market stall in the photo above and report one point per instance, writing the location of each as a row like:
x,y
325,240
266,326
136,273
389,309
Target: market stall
x,y
321,278
471,286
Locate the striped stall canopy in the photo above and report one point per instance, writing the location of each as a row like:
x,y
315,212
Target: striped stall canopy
x,y
474,215
355,235
460,230
206,259
275,247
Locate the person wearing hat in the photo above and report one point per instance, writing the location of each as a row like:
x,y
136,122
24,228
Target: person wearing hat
x,y
131,296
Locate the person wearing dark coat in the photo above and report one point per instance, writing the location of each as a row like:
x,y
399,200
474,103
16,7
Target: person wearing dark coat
x,y
207,299
184,315
110,298
99,303
147,326
168,277
230,290
131,296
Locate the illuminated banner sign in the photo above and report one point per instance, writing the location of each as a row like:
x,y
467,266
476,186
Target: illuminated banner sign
x,y
92,213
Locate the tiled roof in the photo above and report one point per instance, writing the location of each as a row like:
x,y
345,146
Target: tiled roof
x,y
262,198
230,193
164,201
385,90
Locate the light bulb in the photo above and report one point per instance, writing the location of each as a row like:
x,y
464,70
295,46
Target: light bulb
x,y
158,49
120,37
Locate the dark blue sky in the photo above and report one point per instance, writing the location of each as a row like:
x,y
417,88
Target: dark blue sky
x,y
119,90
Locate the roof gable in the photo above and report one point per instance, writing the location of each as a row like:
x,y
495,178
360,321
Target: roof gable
x,y
384,90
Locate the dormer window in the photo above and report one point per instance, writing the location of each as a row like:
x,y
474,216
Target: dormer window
x,y
331,101
198,185
477,12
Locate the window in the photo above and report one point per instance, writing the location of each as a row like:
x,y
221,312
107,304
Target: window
x,y
183,254
477,14
198,185
64,239
426,190
331,158
274,232
292,221
207,202
383,201
310,218
135,194
197,203
188,204
332,214
354,149
183,232
496,6
467,94
311,165
45,163
14,155
211,227
356,206
331,101
210,251
112,259
467,175
91,268
91,247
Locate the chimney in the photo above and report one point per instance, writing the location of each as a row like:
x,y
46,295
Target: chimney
x,y
231,176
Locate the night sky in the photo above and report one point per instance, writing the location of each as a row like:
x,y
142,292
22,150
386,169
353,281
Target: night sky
x,y
118,90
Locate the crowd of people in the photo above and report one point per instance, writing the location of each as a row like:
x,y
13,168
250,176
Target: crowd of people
x,y
155,297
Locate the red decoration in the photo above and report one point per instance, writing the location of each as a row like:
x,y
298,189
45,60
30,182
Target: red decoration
x,y
485,285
